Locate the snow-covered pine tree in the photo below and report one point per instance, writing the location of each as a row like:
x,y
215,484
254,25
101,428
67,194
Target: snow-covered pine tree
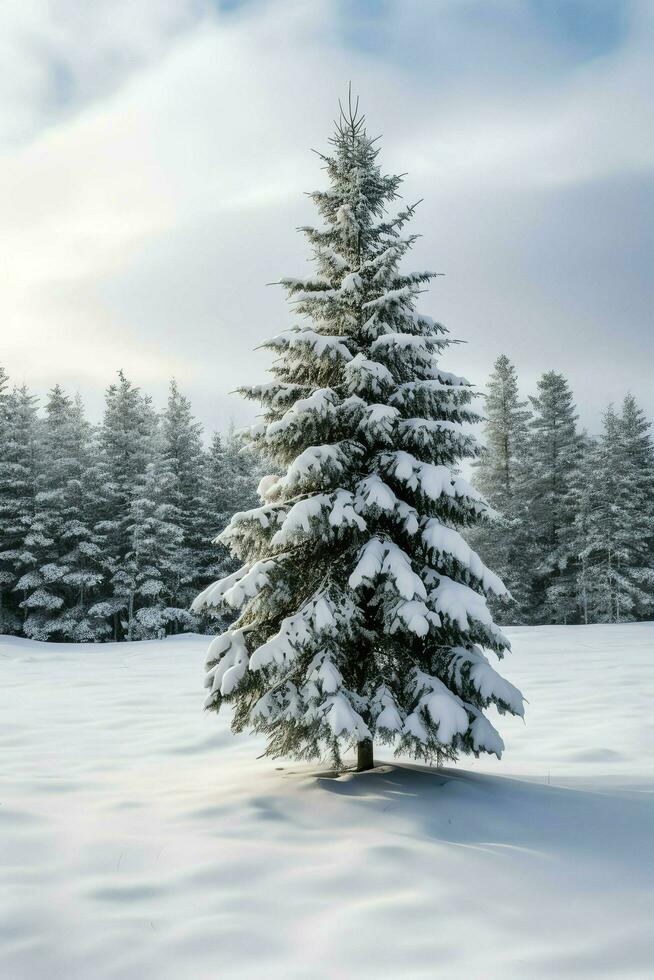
x,y
501,474
240,473
127,445
231,475
10,533
638,500
616,580
8,619
364,614
64,557
149,577
84,556
169,552
155,580
585,492
183,458
555,452
4,403
19,463
598,525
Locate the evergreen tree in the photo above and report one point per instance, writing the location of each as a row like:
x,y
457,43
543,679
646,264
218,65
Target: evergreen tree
x,y
82,543
501,474
241,473
64,564
616,577
8,618
19,461
10,535
215,509
585,502
163,569
597,523
232,473
4,405
148,578
363,609
554,458
638,491
181,491
42,584
127,446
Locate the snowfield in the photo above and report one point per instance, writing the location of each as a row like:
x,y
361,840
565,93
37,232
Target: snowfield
x,y
140,839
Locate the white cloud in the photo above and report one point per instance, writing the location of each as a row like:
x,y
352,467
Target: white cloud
x,y
145,211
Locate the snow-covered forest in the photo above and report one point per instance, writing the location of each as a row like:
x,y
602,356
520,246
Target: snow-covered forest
x,y
574,536
106,532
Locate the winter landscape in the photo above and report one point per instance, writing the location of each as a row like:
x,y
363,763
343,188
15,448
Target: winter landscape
x,y
141,839
353,679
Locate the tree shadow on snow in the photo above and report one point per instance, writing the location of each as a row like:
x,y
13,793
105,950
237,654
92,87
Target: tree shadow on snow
x,y
459,807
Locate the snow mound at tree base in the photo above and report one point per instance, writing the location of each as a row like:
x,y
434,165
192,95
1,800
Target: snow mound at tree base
x,y
140,839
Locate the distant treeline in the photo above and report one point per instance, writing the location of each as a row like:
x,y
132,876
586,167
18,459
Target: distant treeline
x,y
574,539
106,531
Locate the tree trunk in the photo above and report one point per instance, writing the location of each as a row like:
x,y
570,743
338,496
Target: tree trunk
x,y
364,755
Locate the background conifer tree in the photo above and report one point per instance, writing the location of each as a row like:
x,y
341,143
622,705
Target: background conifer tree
x,y
231,475
64,558
183,460
554,459
18,488
149,578
83,544
127,445
364,614
616,579
501,473
9,622
14,505
637,464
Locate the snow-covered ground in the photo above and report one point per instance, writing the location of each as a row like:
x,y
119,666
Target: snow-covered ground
x,y
140,839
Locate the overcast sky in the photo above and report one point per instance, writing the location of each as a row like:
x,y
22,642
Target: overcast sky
x,y
155,154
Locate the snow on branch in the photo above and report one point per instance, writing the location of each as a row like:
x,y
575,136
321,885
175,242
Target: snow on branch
x,y
304,338
343,719
310,284
484,736
458,602
470,668
317,619
431,481
401,297
384,558
319,403
368,378
317,516
377,425
227,659
236,589
403,341
440,539
438,706
326,464
373,494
